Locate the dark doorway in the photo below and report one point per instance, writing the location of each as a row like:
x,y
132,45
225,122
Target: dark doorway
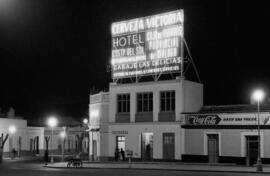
x,y
213,148
37,144
251,149
168,146
147,146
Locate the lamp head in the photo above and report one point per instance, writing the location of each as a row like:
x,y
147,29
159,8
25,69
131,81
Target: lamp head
x,y
85,121
12,129
63,134
52,122
258,95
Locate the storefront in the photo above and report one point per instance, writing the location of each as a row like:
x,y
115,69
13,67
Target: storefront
x,y
226,134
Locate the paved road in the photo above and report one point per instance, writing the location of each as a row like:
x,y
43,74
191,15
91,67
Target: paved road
x,y
22,168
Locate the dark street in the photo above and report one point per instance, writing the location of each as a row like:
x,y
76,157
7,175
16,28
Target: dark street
x,y
15,168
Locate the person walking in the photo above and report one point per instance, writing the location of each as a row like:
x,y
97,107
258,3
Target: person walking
x,y
13,153
123,154
148,152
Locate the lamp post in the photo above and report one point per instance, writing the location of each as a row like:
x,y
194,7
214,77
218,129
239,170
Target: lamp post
x,y
63,136
52,122
12,130
258,96
86,122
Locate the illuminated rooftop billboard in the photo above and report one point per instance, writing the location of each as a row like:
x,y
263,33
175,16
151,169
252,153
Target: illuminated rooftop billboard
x,y
148,45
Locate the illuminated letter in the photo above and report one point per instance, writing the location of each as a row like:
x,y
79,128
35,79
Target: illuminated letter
x,y
128,39
141,25
122,41
115,42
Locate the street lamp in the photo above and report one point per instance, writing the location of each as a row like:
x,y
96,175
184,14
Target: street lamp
x,y
63,136
86,122
258,96
12,130
52,122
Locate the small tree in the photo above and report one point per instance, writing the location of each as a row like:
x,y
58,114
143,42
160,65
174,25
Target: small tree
x,y
47,138
46,154
2,144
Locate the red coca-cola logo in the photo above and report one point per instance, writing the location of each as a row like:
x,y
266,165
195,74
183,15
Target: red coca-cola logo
x,y
204,119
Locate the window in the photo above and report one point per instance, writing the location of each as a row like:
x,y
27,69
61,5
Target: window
x,y
123,103
167,101
145,102
120,142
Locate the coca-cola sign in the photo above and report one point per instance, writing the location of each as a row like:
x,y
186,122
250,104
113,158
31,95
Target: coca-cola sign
x,y
203,119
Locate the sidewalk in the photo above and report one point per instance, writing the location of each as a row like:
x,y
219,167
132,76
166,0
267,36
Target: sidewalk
x,y
23,158
196,167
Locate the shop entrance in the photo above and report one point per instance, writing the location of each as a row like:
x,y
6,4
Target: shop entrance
x,y
147,146
252,150
168,146
213,148
120,142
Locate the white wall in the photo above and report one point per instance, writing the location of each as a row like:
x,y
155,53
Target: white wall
x,y
98,118
193,96
190,100
232,141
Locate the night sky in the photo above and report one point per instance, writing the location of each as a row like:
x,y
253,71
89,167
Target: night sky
x,y
53,52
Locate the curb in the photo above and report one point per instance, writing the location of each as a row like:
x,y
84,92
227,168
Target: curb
x,y
185,170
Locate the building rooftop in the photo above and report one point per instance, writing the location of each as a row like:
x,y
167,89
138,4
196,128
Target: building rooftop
x,y
100,97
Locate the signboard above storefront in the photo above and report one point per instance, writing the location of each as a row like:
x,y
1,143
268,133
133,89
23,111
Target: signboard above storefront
x,y
226,119
119,132
148,45
204,120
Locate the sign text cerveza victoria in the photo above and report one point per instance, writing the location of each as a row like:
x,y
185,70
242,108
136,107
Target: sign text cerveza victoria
x,y
148,45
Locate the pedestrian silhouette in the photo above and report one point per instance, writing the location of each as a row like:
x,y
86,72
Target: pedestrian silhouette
x,y
148,152
14,152
123,154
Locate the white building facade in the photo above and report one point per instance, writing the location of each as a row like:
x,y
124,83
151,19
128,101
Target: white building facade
x,y
98,126
24,140
145,118
31,140
226,134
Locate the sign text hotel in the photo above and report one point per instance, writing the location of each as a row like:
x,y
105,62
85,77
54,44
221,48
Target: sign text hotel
x,y
145,46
